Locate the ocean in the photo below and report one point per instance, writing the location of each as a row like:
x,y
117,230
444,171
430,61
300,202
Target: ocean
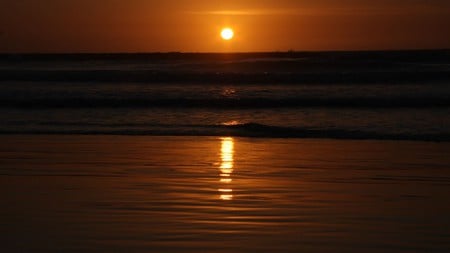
x,y
346,95
246,152
104,193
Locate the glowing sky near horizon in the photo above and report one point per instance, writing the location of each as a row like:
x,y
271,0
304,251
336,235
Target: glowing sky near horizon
x,y
194,25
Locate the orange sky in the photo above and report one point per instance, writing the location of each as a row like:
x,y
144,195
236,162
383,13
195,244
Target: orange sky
x,y
194,25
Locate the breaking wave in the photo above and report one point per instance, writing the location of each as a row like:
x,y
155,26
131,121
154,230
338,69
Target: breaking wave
x,y
237,130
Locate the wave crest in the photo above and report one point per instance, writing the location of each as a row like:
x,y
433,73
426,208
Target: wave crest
x,y
250,129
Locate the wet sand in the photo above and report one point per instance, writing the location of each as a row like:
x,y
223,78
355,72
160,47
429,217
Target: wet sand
x,y
209,194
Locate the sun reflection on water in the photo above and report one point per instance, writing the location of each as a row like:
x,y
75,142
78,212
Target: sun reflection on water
x,y
226,167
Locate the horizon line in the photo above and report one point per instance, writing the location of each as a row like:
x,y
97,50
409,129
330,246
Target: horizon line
x,y
221,52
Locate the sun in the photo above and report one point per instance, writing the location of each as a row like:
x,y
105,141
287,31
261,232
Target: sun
x,y
227,33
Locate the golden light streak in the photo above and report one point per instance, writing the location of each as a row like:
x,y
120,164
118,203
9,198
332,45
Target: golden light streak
x,y
226,197
226,167
226,180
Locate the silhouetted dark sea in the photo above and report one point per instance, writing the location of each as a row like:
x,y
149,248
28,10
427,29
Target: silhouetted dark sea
x,y
348,95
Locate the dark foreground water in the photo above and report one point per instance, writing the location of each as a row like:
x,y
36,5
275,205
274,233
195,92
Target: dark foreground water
x,y
211,194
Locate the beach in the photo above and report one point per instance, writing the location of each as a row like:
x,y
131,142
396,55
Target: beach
x,y
106,193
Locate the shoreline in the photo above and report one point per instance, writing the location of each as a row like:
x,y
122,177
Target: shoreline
x,y
427,139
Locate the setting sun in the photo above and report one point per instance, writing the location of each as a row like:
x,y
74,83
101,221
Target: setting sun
x,y
227,33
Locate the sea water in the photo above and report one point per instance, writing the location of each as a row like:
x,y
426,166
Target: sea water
x,y
349,95
214,187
